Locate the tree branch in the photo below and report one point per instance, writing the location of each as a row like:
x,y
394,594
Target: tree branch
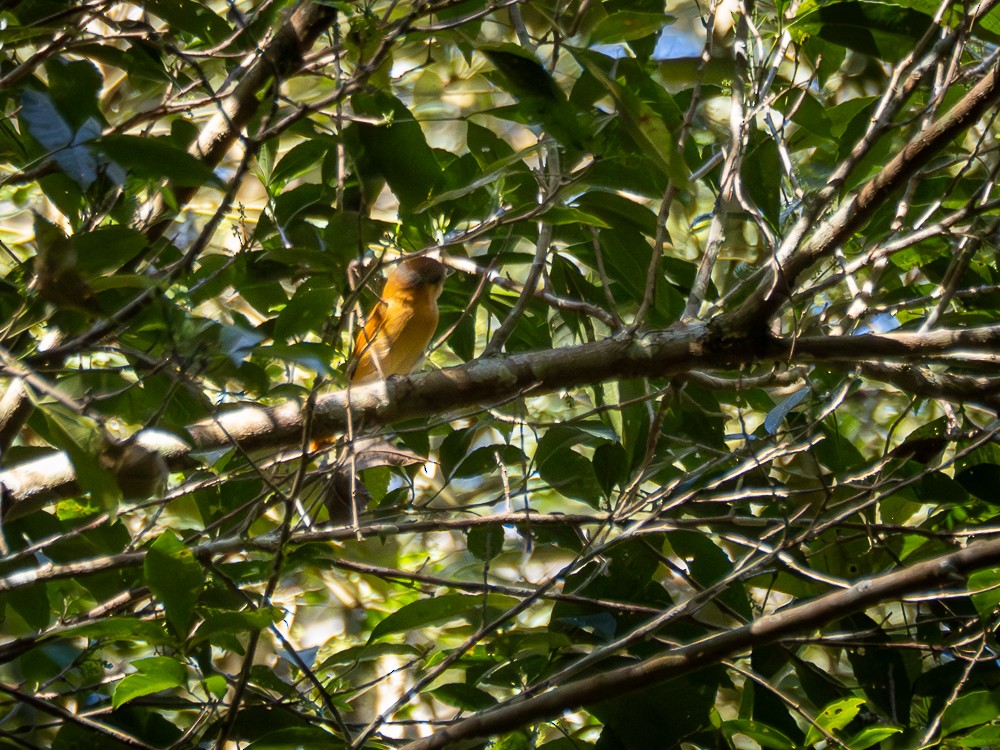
x,y
935,574
777,280
481,383
909,346
281,58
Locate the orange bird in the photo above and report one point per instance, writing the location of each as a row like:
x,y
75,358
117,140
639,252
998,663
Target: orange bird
x,y
402,322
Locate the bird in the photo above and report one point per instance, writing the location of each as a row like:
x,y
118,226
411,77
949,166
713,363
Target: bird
x,y
396,333
400,325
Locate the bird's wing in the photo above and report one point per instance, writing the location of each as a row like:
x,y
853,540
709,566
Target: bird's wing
x,y
381,347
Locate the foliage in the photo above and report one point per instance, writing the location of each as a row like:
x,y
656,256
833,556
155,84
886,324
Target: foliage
x,y
199,198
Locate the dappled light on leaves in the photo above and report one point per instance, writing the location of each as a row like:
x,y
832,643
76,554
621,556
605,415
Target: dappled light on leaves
x,y
557,375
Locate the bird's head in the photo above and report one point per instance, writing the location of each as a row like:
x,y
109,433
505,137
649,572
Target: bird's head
x,y
418,273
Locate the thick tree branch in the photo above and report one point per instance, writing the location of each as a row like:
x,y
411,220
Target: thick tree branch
x,y
973,389
481,383
942,572
910,346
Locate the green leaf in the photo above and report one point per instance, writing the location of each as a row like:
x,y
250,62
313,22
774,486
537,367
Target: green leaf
x,y
835,716
972,709
881,671
191,17
70,148
356,655
572,475
485,542
454,449
567,215
302,158
617,211
765,736
175,578
519,739
216,685
377,480
709,564
158,158
883,30
156,673
292,205
871,736
763,173
640,720
494,173
987,736
77,737
396,148
237,341
982,481
525,77
627,255
564,469
648,129
75,86
306,312
314,356
127,629
540,99
297,738
610,466
84,442
984,589
626,25
219,622
437,611
485,459
107,248
842,115
464,697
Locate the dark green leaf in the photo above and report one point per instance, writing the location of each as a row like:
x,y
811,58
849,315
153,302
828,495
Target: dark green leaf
x,y
121,629
972,709
107,248
625,26
485,542
871,736
878,29
610,465
175,578
465,697
192,18
396,148
216,622
437,611
299,738
71,149
156,158
302,158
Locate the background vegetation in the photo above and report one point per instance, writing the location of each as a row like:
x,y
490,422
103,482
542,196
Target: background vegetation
x,y
709,425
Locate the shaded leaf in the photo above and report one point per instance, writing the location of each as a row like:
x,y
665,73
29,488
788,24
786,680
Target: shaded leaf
x,y
156,673
156,158
626,25
436,611
175,578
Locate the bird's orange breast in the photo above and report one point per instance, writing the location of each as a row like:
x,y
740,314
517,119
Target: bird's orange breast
x,y
396,334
